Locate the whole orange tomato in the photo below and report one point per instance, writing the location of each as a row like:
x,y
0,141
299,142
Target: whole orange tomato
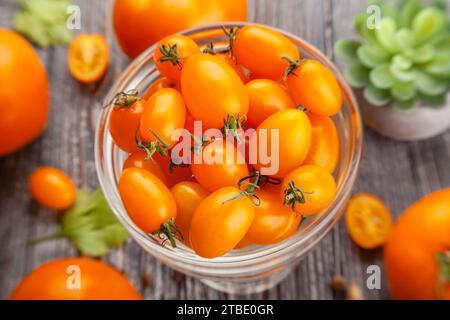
x,y
219,224
324,151
188,195
212,90
274,222
223,165
124,120
315,87
293,143
417,253
52,188
164,113
265,98
159,84
24,93
170,54
75,279
148,202
308,189
139,24
263,51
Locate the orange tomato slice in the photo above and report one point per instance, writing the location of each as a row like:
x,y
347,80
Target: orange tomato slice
x,y
88,57
368,220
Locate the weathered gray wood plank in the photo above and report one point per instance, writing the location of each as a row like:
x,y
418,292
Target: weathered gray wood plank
x,y
397,172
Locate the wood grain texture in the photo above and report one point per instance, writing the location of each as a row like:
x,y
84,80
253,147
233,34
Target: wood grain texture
x,y
397,172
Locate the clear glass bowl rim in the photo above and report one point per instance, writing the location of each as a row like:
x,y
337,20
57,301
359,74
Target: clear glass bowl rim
x,y
268,259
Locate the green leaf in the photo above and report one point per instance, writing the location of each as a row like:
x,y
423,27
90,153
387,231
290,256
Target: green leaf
x,y
404,38
428,85
377,97
433,101
404,106
43,21
362,29
403,91
400,74
402,62
357,75
442,43
385,34
428,22
421,54
372,55
381,77
439,66
408,10
346,49
91,225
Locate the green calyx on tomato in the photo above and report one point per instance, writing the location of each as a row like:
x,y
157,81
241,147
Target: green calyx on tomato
x,y
170,230
150,147
170,53
293,64
232,124
125,99
443,259
294,195
232,35
210,49
248,186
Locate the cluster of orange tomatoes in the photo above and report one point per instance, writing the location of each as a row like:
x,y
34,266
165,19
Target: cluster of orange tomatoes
x,y
258,80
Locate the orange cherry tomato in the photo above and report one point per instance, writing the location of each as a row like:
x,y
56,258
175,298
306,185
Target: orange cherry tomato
x,y
315,87
308,189
265,98
52,188
24,93
164,113
368,221
261,51
177,174
219,223
139,24
324,150
124,121
417,253
294,132
188,195
232,63
92,280
88,57
212,90
229,168
148,201
274,222
159,84
137,160
170,54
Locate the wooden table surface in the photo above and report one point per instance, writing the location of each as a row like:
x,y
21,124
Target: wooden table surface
x,y
397,172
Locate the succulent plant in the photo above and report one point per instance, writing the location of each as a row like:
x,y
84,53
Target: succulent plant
x,y
402,59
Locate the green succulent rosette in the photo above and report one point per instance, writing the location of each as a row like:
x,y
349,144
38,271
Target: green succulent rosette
x,y
403,56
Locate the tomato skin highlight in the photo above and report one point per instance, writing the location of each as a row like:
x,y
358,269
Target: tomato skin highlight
x,y
188,195
164,112
324,150
88,57
139,24
294,139
98,281
52,188
418,236
228,172
137,160
185,47
261,51
318,185
368,221
24,92
315,87
123,124
273,222
266,97
147,200
218,226
212,90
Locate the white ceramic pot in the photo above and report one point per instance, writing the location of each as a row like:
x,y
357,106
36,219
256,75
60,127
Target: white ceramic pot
x,y
421,123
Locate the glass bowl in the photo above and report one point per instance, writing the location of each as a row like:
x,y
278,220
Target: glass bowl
x,y
254,268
